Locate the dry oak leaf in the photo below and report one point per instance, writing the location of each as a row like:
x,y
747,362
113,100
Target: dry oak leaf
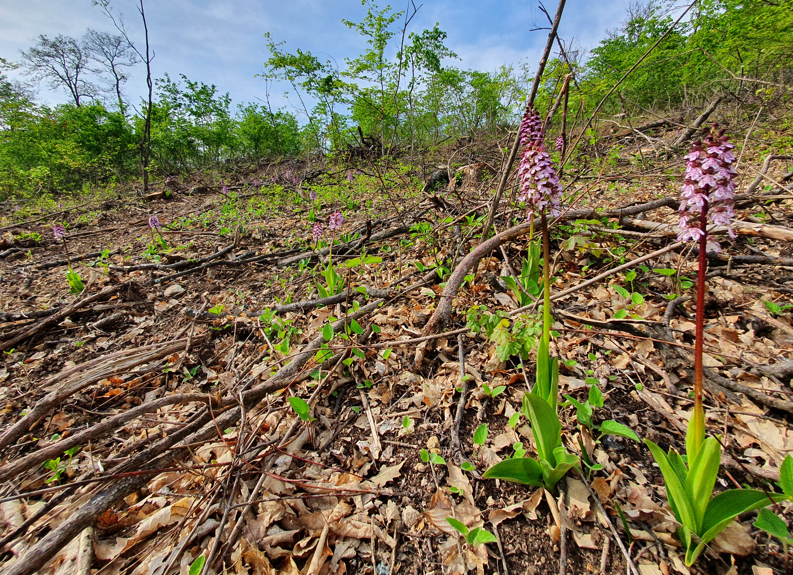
x,y
107,550
387,474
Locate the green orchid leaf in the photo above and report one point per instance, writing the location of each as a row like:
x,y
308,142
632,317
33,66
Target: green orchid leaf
x,y
610,427
676,493
545,426
524,470
566,461
678,465
729,504
702,475
786,475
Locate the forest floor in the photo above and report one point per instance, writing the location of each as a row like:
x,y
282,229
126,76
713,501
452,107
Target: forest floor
x,y
157,416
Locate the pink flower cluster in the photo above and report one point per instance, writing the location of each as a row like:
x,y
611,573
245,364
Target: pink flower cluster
x,y
313,195
530,127
559,143
59,232
539,184
335,221
316,232
154,223
708,185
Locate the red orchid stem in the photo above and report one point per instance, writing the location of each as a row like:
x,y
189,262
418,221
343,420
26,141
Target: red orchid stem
x,y
700,329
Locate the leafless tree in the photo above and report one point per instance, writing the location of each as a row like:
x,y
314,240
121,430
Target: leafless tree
x,y
63,61
112,53
147,55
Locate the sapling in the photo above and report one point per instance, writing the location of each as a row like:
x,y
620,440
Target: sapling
x,y
541,192
708,193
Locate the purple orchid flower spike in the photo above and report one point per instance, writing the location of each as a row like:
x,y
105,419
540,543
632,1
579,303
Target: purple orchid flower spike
x,y
335,221
154,223
350,177
288,174
313,195
559,143
530,127
59,232
316,232
709,187
295,180
225,189
539,183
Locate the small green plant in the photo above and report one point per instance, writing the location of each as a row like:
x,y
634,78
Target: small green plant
x,y
480,435
217,309
474,537
56,469
512,337
776,309
584,413
431,458
301,408
197,566
76,284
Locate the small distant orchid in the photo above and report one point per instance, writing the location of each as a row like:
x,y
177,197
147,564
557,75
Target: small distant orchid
x,y
350,177
313,195
154,223
559,143
225,189
295,180
316,232
59,232
709,188
256,182
335,221
288,174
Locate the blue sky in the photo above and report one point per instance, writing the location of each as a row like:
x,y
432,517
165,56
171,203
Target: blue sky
x,y
222,42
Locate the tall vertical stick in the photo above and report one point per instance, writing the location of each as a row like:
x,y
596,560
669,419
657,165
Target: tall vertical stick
x,y
516,144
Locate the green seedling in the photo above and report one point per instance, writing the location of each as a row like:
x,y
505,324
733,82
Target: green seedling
x,y
775,308
301,408
217,309
473,537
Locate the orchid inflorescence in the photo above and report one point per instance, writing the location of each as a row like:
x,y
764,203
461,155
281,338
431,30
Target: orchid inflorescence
x,y
530,127
709,187
316,232
539,184
335,221
313,195
559,143
59,232
154,223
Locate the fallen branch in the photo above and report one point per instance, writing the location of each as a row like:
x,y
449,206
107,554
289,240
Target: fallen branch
x,y
691,130
739,227
92,371
56,263
13,338
763,170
